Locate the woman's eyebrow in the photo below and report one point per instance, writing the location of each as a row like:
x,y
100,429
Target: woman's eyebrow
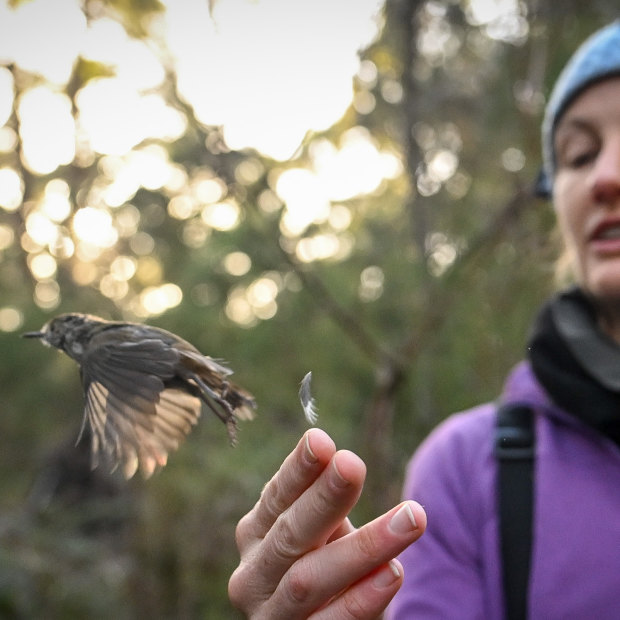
x,y
576,123
570,126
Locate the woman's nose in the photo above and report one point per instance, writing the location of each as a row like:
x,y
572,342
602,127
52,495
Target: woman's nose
x,y
605,178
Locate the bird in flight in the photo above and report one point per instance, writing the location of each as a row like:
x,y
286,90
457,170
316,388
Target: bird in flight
x,y
144,388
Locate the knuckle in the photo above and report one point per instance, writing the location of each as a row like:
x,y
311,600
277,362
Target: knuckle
x,y
236,588
325,501
272,499
354,607
245,530
299,583
367,545
286,543
246,591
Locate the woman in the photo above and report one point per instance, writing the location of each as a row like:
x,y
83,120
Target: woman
x,y
301,557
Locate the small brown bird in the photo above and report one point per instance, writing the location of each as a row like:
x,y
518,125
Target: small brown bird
x,y
143,388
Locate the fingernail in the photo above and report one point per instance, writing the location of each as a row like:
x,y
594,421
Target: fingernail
x,y
311,455
338,479
387,575
403,522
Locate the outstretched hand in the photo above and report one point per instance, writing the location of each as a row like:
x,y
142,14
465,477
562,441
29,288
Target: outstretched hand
x,y
300,555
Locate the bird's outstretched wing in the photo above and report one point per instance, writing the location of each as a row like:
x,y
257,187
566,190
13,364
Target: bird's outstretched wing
x,y
135,413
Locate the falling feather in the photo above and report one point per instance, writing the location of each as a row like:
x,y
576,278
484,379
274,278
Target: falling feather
x,y
307,401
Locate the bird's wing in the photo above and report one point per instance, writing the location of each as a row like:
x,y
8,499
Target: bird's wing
x,y
135,420
212,379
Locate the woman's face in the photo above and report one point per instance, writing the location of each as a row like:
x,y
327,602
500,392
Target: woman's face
x,y
586,188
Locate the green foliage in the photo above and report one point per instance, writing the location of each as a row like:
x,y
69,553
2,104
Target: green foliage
x,y
421,311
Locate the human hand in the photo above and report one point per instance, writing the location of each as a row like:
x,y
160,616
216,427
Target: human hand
x,y
300,555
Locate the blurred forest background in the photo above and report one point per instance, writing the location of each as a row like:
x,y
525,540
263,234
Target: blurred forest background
x,y
151,170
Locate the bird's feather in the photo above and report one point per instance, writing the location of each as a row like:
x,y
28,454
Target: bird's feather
x,y
307,401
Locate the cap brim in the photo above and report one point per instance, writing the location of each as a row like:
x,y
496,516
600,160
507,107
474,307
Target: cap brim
x,y
543,187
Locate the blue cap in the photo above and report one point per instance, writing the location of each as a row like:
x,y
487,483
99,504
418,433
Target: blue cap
x,y
597,58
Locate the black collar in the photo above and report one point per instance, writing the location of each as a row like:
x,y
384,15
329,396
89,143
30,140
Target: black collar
x,y
577,363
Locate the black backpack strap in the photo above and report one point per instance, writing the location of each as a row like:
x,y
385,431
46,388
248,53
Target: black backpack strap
x,y
514,449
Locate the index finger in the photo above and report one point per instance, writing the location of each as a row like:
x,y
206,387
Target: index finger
x,y
296,474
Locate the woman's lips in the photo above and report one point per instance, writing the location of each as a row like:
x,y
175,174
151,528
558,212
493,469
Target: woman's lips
x,y
605,239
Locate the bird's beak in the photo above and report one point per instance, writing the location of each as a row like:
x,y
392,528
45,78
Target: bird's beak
x,y
33,335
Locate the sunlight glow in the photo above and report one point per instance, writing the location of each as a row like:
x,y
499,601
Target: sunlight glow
x,y
43,266
47,129
155,300
55,204
319,247
358,167
28,38
95,227
11,189
8,139
132,61
485,11
41,229
116,117
208,190
148,167
239,310
441,164
181,207
257,302
222,215
297,78
502,19
261,295
305,198
6,95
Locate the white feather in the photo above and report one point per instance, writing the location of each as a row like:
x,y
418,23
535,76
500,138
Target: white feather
x,y
307,401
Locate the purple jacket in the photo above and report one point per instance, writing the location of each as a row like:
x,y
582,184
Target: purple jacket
x,y
454,571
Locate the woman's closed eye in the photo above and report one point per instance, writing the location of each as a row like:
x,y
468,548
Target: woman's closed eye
x,y
580,159
576,146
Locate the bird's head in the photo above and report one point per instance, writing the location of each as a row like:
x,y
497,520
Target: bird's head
x,y
56,331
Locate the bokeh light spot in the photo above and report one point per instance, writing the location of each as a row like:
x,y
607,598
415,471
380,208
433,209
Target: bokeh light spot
x,y
157,299
11,319
47,129
43,266
47,295
11,189
237,263
95,227
7,237
221,215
